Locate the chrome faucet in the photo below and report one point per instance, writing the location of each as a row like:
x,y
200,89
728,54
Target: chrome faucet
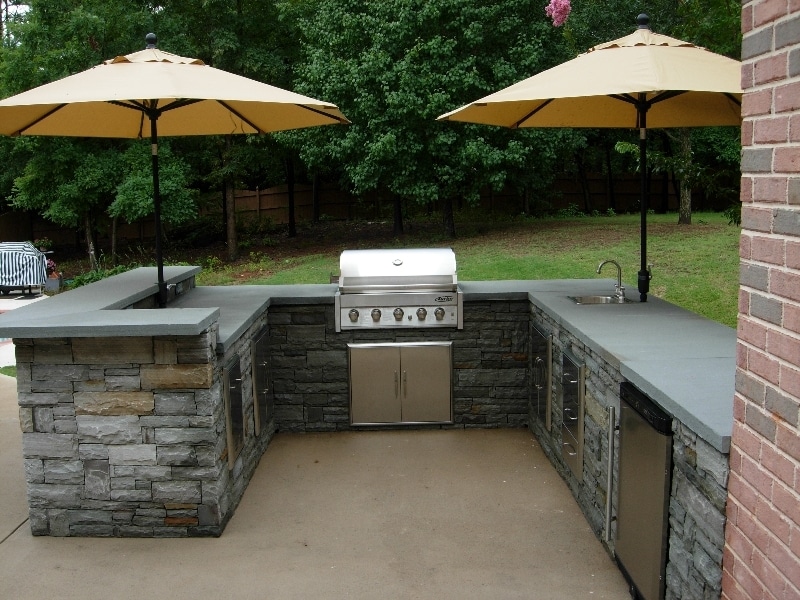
x,y
619,290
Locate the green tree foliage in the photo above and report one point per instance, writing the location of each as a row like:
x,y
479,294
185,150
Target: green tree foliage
x,y
394,66
73,182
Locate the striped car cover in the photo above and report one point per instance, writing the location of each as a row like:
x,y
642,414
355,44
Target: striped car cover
x,y
21,265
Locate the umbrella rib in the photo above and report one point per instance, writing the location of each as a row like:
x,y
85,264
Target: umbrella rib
x,y
324,114
241,116
733,98
530,114
39,119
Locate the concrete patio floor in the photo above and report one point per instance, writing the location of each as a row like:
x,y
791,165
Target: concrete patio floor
x,y
395,514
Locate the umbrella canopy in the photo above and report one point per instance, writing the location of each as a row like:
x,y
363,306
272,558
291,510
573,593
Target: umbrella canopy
x,y
638,81
152,93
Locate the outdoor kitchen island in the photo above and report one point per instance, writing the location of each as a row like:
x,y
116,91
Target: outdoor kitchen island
x,y
140,421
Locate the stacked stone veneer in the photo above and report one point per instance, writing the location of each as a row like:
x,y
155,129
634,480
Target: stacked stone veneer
x,y
310,365
762,552
126,436
699,474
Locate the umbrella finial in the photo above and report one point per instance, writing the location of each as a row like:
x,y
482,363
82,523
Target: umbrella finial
x,y
151,40
643,21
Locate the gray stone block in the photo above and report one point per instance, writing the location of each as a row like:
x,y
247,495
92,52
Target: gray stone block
x,y
176,456
187,435
65,426
59,523
134,454
131,496
43,419
177,492
34,470
26,419
97,479
177,403
122,429
93,530
122,383
54,496
39,522
44,398
63,471
158,421
93,452
49,445
142,472
83,517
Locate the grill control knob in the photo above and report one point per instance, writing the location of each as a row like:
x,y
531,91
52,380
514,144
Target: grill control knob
x,y
353,314
421,314
376,314
398,314
439,313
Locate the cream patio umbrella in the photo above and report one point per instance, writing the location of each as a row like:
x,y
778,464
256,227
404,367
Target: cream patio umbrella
x,y
638,81
152,93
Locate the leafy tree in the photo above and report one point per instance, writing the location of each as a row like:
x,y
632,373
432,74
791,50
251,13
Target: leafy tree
x,y
393,67
69,181
247,38
714,24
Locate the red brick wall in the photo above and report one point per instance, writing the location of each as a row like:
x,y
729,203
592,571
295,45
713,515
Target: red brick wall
x,y
762,551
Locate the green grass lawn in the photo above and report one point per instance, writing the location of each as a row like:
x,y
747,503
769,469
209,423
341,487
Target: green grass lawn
x,y
694,266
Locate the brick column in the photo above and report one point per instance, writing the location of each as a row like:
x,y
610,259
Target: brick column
x,y
762,551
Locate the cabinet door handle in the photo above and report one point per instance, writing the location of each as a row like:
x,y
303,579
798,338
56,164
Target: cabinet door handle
x,y
538,373
570,414
570,449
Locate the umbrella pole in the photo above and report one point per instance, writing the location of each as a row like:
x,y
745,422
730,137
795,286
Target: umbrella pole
x,y
162,286
644,273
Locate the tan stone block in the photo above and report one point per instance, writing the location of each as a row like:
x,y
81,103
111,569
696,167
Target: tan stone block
x,y
114,403
176,376
113,350
181,521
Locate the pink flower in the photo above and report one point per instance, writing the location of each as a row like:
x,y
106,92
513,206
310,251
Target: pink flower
x,y
558,10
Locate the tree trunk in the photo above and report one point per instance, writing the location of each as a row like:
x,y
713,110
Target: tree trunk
x,y
230,221
87,226
526,201
290,192
448,220
612,197
315,199
114,240
229,203
685,210
397,227
587,203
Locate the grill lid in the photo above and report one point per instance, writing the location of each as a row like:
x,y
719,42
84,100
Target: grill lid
x,y
405,269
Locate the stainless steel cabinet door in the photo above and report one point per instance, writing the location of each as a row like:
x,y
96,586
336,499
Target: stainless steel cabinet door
x,y
375,384
426,383
401,383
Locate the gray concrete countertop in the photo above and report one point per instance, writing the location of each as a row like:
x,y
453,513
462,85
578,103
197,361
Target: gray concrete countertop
x,y
684,362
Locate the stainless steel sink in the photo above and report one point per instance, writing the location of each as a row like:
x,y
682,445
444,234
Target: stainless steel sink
x,y
598,300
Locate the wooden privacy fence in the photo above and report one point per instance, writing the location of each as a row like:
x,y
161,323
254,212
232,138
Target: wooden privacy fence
x,y
333,203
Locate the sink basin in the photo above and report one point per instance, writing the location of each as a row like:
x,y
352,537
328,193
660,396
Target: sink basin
x,y
597,300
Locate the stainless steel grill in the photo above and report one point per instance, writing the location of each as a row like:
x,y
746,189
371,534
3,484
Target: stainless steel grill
x,y
403,288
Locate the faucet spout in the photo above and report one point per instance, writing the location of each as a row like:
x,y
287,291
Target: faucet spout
x,y
619,291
